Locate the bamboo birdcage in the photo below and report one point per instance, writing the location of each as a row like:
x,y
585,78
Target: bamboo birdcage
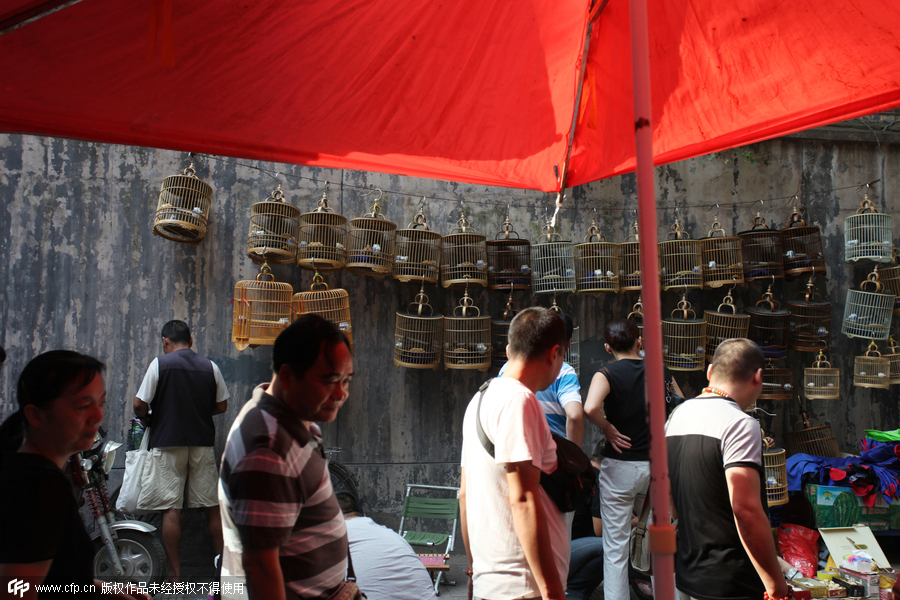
x,y
821,381
371,240
721,326
182,212
323,239
894,358
868,235
637,315
679,260
573,354
629,253
684,339
464,256
467,337
868,314
262,310
809,437
274,229
890,278
777,383
552,263
596,264
721,258
417,336
500,334
810,324
770,327
775,467
418,252
872,370
761,251
802,245
509,260
331,305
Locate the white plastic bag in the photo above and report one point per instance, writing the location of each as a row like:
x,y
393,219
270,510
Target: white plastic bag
x,y
133,480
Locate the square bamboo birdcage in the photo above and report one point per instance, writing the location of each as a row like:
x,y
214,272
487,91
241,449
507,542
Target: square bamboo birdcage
x,y
893,356
596,264
770,327
810,324
821,381
509,261
684,339
371,240
761,251
500,335
182,212
274,229
721,258
552,263
890,278
323,239
262,310
573,354
868,314
467,337
868,235
721,326
629,253
775,466
331,305
777,383
802,245
679,260
809,437
464,256
417,335
418,252
872,370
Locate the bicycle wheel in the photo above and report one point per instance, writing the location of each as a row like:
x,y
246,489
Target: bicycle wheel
x,y
341,479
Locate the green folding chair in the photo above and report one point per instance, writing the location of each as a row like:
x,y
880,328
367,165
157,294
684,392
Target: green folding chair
x,y
434,510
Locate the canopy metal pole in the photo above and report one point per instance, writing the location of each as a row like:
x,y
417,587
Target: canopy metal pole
x,y
661,534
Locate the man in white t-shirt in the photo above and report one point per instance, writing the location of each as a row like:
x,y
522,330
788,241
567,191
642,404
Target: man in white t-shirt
x,y
516,538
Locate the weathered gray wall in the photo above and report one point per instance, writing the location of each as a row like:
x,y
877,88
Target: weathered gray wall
x,y
79,268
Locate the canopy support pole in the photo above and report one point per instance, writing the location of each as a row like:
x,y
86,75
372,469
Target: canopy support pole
x,y
660,533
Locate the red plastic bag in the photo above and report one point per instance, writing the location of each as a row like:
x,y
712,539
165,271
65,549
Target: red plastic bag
x,y
799,546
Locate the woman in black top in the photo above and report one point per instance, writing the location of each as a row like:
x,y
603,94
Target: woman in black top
x,y
625,471
61,405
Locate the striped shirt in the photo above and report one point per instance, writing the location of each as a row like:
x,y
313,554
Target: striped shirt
x,y
275,491
553,400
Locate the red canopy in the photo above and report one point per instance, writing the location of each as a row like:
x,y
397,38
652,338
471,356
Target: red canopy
x,y
481,92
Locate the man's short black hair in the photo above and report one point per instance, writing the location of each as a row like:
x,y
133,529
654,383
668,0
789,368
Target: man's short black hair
x,y
349,503
299,345
534,331
570,325
177,332
736,360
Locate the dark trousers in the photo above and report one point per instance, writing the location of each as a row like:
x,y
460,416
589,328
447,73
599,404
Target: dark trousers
x,y
585,568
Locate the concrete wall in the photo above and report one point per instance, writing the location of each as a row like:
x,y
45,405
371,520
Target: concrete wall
x,y
79,268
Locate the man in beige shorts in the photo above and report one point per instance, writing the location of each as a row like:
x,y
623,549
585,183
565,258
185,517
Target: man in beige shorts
x,y
184,390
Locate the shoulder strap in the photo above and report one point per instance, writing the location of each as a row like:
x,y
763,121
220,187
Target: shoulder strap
x,y
645,512
351,576
482,436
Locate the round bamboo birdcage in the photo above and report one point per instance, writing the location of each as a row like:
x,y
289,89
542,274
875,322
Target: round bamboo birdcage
x,y
182,212
467,337
331,305
417,335
721,258
637,315
809,437
810,324
868,235
509,260
868,314
777,383
679,260
553,263
371,240
464,257
761,251
323,239
262,310
500,333
821,381
890,278
802,245
274,229
770,327
684,339
775,465
629,253
893,357
418,252
596,264
721,326
872,370
573,354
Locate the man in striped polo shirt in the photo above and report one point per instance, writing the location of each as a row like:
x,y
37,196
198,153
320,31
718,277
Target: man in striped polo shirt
x,y
284,532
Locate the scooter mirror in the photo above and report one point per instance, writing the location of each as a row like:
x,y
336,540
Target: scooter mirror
x,y
109,455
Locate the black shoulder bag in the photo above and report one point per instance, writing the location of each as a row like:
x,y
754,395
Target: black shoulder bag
x,y
573,481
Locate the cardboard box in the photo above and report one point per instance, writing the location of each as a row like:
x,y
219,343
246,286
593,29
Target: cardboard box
x,y
839,507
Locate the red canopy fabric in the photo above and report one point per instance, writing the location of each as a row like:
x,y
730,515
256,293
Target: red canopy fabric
x,y
482,92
